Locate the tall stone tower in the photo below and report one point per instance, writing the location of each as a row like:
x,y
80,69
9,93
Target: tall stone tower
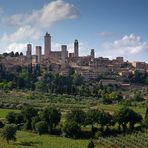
x,y
29,50
38,53
47,44
92,53
64,55
76,48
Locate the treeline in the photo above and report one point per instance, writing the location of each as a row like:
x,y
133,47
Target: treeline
x,y
12,54
32,78
138,77
48,121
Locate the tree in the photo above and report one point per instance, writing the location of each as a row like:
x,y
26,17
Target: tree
x,y
138,97
19,118
21,54
134,118
52,116
92,118
121,118
16,54
105,119
15,118
41,127
72,129
9,132
10,117
77,115
29,112
125,116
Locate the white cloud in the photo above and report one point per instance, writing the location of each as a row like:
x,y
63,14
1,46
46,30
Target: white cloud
x,y
30,26
15,46
52,12
126,46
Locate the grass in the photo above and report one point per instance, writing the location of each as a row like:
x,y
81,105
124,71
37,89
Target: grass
x,y
4,112
31,140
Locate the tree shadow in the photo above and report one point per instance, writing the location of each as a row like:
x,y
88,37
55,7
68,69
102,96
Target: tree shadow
x,y
29,143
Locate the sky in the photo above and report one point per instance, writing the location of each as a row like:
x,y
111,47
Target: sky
x,y
111,27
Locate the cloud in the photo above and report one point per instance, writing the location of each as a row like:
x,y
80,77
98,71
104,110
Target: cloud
x,y
52,12
126,46
15,46
31,26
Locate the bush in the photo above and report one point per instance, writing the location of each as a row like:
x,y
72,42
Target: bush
x,y
41,127
72,130
9,132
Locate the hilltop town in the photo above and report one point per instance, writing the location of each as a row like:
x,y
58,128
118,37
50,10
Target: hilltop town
x,y
90,67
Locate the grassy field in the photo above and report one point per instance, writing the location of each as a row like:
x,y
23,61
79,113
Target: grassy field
x,y
4,112
32,140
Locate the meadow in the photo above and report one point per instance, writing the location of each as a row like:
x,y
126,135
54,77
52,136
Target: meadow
x,y
31,140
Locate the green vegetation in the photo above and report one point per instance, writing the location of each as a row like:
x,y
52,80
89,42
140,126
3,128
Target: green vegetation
x,y
9,132
31,140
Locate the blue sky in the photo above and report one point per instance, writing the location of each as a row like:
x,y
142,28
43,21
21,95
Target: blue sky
x,y
112,27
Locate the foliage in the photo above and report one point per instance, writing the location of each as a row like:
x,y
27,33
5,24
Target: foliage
x,y
41,127
125,116
77,116
29,112
9,132
72,130
15,118
52,116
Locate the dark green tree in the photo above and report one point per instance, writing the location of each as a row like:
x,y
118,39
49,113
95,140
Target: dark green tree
x,y
52,116
9,132
77,115
72,129
41,127
29,112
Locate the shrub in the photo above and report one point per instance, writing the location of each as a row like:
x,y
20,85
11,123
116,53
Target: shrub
x,y
41,127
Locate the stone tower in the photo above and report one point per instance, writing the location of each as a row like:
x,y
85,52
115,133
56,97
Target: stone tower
x,y
47,44
92,53
64,55
76,48
29,50
38,53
